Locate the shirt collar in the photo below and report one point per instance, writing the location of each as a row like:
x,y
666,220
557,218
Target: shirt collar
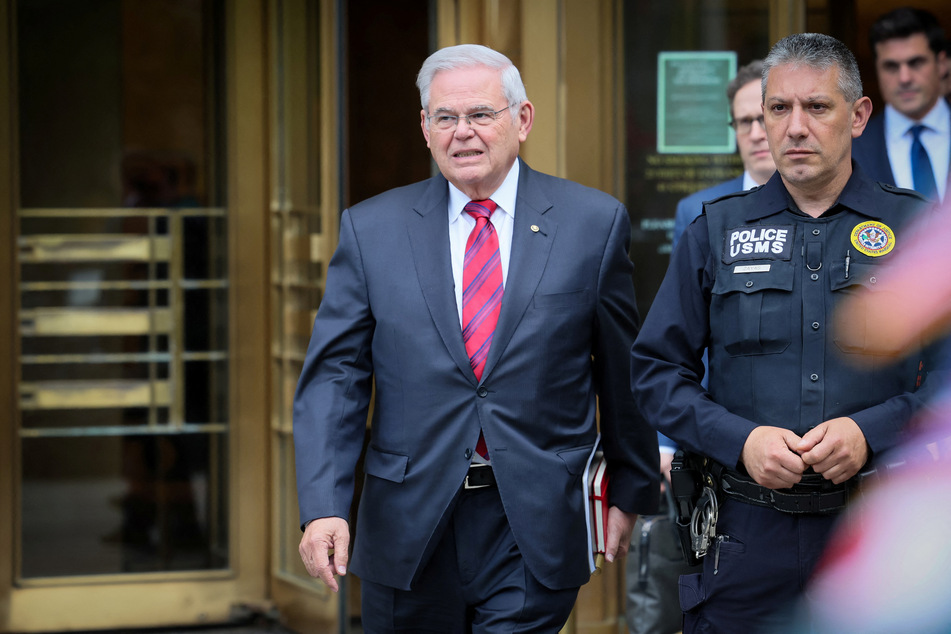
x,y
856,195
773,199
504,196
748,182
938,119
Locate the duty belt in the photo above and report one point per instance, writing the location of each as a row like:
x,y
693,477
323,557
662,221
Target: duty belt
x,y
813,495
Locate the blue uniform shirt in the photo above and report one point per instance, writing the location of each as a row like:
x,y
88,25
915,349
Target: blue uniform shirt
x,y
757,283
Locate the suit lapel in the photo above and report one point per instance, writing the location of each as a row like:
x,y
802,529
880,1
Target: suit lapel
x,y
532,237
429,237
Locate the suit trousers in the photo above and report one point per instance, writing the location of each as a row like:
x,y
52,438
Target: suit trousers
x,y
475,581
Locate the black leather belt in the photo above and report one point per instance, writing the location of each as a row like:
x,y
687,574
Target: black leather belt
x,y
480,476
813,495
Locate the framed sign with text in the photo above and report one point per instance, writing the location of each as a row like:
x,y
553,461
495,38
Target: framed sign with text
x,y
693,113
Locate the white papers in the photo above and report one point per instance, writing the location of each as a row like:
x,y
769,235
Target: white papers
x,y
595,509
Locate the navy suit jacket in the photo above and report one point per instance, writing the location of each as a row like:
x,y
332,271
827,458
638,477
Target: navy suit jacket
x,y
871,152
388,319
690,206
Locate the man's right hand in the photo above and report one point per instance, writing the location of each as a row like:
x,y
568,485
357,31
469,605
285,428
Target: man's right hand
x,y
324,549
770,457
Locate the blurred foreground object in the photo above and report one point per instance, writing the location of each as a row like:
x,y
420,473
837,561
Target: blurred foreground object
x,y
912,300
886,568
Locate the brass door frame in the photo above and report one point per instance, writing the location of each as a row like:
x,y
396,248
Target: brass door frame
x,y
304,218
144,600
9,464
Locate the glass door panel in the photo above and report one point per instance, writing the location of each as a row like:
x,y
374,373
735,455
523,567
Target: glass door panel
x,y
303,221
96,505
123,289
655,180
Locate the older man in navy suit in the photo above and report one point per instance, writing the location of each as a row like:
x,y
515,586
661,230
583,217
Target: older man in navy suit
x,y
491,306
909,144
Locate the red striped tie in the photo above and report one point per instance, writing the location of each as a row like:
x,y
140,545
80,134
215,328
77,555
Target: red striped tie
x,y
481,290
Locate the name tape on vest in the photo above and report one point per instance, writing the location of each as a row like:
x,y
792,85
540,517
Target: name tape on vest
x,y
752,268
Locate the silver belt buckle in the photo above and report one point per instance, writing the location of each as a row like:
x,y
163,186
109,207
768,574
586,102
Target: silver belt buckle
x,y
470,487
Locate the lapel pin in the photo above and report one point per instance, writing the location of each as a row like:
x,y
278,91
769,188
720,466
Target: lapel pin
x,y
534,228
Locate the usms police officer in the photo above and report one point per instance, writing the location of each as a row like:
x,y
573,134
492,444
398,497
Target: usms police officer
x,y
794,410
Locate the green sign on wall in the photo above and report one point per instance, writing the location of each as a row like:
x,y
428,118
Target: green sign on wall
x,y
693,114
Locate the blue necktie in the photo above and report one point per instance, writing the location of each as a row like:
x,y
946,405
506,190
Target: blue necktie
x,y
921,170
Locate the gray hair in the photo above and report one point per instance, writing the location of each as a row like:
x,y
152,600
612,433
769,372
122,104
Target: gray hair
x,y
468,56
820,52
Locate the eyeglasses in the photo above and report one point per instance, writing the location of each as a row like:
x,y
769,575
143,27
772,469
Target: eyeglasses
x,y
443,121
745,125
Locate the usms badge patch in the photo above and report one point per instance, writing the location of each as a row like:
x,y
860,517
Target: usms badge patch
x,y
873,238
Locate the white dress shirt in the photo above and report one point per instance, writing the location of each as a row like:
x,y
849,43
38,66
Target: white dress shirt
x,y
748,182
461,225
936,137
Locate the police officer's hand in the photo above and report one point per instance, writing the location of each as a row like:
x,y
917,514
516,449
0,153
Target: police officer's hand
x,y
836,448
324,549
770,457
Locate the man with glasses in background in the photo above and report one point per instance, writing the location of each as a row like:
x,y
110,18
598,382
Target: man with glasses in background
x,y
492,309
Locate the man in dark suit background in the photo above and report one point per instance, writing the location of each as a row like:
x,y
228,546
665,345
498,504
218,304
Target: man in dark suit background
x,y
911,62
472,512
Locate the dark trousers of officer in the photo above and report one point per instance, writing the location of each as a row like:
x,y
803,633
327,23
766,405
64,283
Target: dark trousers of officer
x,y
755,571
475,582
